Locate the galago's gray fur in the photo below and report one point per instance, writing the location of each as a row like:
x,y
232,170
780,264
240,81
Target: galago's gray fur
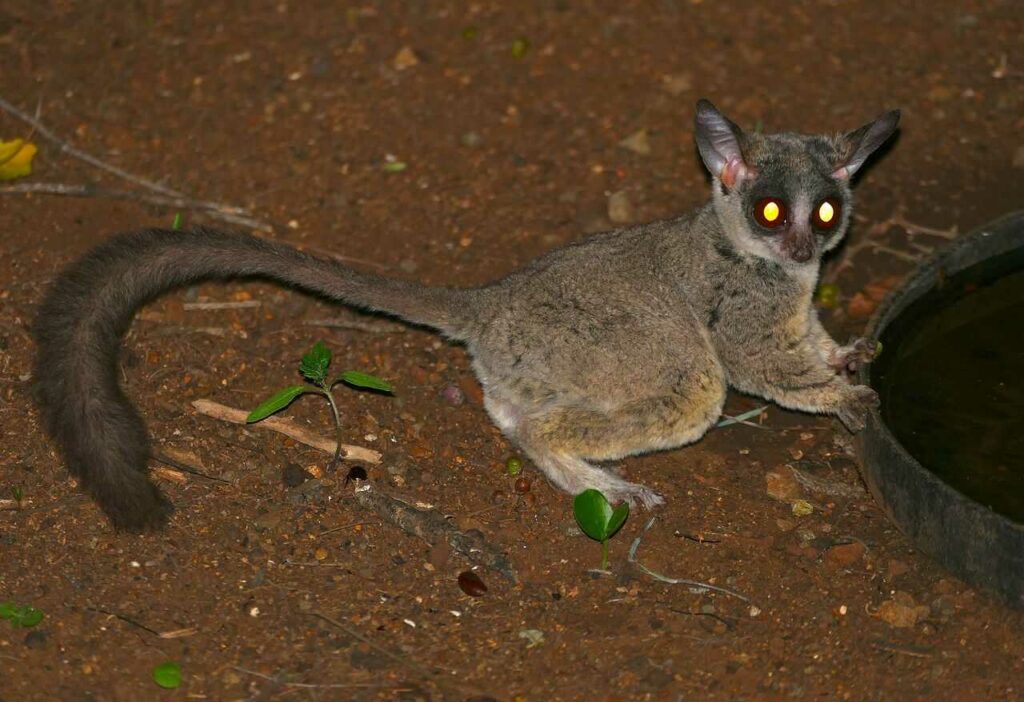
x,y
617,345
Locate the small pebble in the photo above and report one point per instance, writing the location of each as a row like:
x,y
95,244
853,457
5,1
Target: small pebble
x,y
620,209
522,485
36,638
453,395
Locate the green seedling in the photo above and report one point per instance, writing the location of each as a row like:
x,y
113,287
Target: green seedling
x,y
598,520
167,675
827,296
18,493
20,615
176,224
514,466
314,368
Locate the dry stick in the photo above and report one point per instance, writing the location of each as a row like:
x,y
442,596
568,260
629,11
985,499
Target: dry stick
x,y
377,327
432,527
403,660
226,213
229,305
288,428
67,148
695,586
186,468
172,634
868,241
326,686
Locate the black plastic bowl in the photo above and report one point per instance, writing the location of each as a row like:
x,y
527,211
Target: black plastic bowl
x,y
982,547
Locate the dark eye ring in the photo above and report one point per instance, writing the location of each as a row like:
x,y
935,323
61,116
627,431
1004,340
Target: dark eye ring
x,y
826,213
770,212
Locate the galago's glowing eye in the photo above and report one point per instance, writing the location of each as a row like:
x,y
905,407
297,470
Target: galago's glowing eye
x,y
770,212
826,214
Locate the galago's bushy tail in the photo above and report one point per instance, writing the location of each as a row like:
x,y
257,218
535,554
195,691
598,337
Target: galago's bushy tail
x,y
91,304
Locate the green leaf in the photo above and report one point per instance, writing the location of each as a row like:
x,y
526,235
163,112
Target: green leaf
x,y
394,166
314,364
618,518
167,675
29,616
365,380
8,610
277,402
176,224
592,513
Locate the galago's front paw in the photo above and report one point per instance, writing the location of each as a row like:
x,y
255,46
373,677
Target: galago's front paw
x,y
853,356
858,401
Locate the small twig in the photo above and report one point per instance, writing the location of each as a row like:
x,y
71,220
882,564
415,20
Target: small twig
x,y
729,622
869,241
402,660
288,428
350,525
230,305
374,327
125,619
226,213
905,651
186,468
66,147
322,686
15,504
742,418
695,586
431,526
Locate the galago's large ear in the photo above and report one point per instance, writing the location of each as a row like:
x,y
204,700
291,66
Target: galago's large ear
x,y
855,147
719,142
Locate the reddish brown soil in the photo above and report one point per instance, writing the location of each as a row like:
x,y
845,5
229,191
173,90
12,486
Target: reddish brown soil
x,y
290,109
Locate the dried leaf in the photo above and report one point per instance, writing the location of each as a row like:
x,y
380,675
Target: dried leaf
x,y
16,158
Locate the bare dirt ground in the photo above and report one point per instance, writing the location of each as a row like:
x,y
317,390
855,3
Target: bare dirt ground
x,y
291,110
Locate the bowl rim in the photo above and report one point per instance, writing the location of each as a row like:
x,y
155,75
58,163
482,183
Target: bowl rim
x,y
981,546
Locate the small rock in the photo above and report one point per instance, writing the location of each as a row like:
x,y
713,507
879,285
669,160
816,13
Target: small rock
x,y
453,395
802,508
405,58
896,568
783,486
293,475
270,520
844,555
420,449
637,142
901,611
677,84
36,638
309,492
620,209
